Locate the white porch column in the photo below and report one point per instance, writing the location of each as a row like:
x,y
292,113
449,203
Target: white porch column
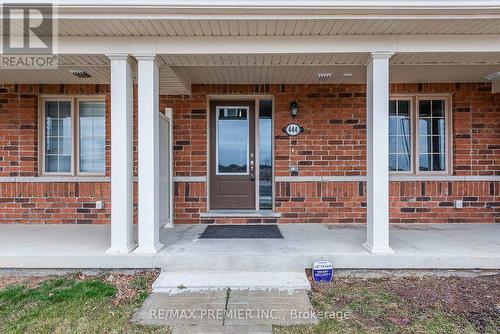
x,y
122,238
149,155
377,142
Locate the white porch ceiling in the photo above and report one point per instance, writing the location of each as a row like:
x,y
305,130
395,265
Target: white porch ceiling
x,y
179,71
327,59
273,27
308,74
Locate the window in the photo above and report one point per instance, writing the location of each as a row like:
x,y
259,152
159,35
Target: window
x,y
418,134
400,135
58,136
265,154
73,136
431,135
92,137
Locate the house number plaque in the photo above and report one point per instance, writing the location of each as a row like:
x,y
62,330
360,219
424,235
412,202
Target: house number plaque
x,y
293,129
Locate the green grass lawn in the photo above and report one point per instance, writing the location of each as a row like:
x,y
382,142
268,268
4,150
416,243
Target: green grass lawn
x,y
73,304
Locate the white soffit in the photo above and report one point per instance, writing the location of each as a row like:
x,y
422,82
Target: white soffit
x,y
308,74
98,67
180,71
327,59
275,27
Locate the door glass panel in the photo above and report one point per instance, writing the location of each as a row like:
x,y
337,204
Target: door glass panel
x,y
265,155
232,140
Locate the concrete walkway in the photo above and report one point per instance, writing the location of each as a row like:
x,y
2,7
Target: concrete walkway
x,y
462,246
226,311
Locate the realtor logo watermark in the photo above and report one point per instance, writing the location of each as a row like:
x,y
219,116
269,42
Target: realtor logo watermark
x,y
29,36
247,314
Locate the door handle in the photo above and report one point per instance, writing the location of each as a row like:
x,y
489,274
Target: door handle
x,y
252,168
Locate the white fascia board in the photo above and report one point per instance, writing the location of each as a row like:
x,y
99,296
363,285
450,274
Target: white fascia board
x,y
274,8
279,44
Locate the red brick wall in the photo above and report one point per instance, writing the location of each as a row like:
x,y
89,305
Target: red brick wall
x,y
65,202
43,202
333,144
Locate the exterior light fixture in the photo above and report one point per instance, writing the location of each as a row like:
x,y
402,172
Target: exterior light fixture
x,y
294,108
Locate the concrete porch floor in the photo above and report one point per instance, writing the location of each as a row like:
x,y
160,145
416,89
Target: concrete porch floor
x,y
417,246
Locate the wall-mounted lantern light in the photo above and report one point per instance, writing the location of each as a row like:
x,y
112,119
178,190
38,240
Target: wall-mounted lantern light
x,y
294,108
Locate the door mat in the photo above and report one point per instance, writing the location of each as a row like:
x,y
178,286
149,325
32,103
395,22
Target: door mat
x,y
241,232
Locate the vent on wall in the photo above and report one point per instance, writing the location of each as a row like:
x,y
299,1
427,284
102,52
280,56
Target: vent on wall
x,y
323,76
80,74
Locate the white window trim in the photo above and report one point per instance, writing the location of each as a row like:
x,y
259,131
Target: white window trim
x,y
414,113
75,130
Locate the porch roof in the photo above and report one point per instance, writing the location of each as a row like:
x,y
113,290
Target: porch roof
x,y
179,71
274,41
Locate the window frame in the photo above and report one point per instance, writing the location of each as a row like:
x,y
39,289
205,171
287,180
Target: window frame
x,y
415,116
75,132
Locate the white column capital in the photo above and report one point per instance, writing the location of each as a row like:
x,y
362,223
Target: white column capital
x,y
147,57
382,54
117,56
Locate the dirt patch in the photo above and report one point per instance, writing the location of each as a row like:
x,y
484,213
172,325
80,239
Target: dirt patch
x,y
476,299
412,303
29,281
129,285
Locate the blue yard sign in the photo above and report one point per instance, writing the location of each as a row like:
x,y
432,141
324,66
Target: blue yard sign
x,y
322,271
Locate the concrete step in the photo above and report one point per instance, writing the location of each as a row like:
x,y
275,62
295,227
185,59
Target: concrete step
x,y
178,281
257,262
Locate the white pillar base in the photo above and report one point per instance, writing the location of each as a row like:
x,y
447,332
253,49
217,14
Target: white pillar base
x,y
121,251
378,251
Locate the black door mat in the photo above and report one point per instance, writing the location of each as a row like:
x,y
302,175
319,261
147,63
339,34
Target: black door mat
x,y
241,232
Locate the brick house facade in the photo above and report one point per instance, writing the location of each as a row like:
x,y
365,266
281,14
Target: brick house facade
x,y
333,145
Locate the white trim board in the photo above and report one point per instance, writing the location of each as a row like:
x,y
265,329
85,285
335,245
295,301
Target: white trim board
x,y
279,44
394,178
190,179
56,179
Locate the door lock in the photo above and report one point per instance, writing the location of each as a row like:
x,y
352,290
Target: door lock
x,y
252,164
